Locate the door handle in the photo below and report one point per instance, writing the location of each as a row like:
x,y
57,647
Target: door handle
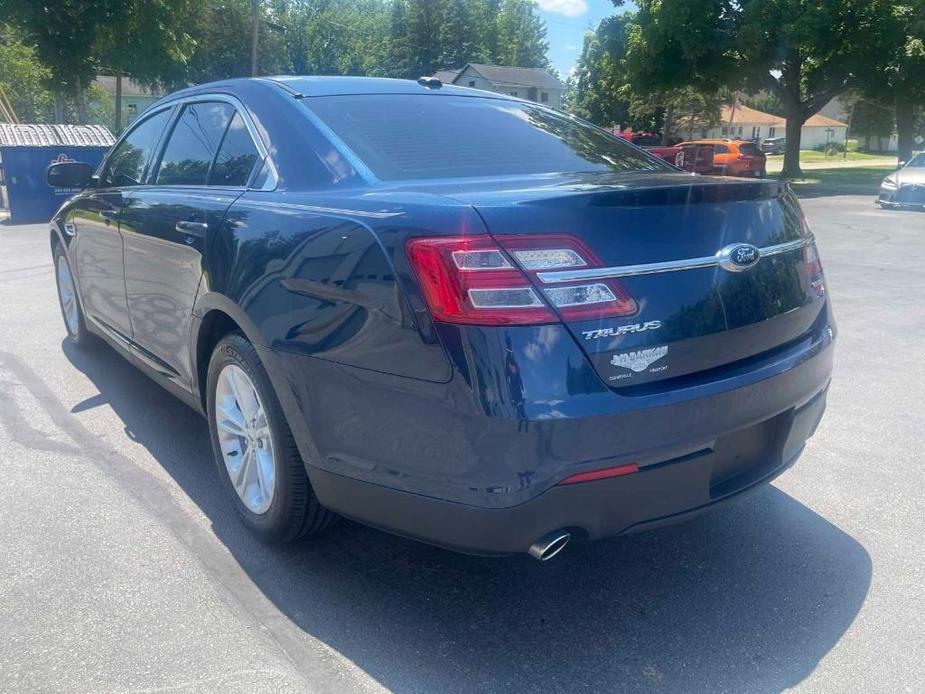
x,y
192,228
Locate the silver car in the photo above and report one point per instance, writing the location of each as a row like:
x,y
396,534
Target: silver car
x,y
905,187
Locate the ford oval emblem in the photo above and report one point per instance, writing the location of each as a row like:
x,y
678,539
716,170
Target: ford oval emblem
x,y
738,257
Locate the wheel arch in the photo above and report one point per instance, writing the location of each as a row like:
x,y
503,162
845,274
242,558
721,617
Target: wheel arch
x,y
215,315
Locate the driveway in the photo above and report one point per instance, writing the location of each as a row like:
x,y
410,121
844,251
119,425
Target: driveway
x,y
124,569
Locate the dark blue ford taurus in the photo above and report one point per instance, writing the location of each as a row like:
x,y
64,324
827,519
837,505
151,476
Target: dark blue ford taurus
x,y
450,314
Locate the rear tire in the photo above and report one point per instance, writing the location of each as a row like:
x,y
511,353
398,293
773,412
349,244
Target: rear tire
x,y
255,452
69,300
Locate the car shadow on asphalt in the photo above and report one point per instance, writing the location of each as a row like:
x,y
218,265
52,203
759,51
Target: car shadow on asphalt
x,y
749,597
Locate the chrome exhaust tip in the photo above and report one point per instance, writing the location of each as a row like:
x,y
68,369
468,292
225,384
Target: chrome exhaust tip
x,y
549,545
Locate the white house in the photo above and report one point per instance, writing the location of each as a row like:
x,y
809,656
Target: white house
x,y
530,83
749,123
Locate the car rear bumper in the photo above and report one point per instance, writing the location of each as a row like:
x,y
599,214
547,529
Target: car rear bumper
x,y
466,465
659,494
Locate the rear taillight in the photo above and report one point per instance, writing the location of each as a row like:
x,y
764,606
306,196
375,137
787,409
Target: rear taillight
x,y
812,266
472,279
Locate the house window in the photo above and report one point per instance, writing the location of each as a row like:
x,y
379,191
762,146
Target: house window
x,y
471,83
514,93
544,97
724,131
740,130
756,131
771,131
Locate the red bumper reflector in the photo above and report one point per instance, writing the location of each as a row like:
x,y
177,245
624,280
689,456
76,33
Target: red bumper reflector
x,y
601,474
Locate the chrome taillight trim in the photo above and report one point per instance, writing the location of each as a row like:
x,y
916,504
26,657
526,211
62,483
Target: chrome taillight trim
x,y
615,272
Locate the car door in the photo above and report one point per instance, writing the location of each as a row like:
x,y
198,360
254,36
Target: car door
x,y
206,163
721,159
96,247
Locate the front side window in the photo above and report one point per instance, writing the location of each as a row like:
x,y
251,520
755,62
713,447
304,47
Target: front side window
x,y
193,143
236,156
917,162
127,165
403,137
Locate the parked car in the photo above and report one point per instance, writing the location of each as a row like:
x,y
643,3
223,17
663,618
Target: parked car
x,y
651,142
774,145
729,158
494,342
905,187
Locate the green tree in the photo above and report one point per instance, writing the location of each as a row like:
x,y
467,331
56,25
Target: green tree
x,y
805,53
65,34
872,121
24,79
521,35
462,35
598,82
897,49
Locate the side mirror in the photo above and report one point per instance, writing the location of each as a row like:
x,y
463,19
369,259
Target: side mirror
x,y
69,174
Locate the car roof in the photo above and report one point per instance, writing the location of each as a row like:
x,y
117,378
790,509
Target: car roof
x,y
711,142
310,86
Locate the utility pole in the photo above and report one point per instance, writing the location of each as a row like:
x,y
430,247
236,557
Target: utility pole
x,y
255,32
118,103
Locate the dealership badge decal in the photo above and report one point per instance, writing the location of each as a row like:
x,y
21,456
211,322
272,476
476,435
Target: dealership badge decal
x,y
640,360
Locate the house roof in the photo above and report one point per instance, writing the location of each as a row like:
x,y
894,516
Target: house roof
x,y
824,121
446,76
743,115
520,76
25,135
129,86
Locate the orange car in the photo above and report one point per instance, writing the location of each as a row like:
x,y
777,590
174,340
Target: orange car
x,y
722,157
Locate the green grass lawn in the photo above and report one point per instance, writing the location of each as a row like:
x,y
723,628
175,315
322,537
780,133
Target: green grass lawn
x,y
854,180
809,156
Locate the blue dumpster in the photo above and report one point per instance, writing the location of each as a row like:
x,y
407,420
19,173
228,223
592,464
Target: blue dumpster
x,y
25,153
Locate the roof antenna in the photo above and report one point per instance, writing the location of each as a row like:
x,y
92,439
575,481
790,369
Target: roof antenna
x,y
430,82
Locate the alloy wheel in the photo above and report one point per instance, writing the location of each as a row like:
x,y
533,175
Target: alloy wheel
x,y
245,438
68,295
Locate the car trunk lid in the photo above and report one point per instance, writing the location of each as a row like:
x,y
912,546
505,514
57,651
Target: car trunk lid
x,y
658,236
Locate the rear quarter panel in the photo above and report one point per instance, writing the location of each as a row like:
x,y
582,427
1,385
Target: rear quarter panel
x,y
326,278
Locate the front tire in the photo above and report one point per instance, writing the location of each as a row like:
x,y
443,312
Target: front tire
x,y
69,301
256,455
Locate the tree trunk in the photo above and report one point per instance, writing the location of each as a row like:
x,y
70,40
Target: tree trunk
x,y
59,107
255,34
905,121
794,129
80,101
669,124
118,104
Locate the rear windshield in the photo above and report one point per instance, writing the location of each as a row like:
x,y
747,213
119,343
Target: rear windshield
x,y
404,136
749,149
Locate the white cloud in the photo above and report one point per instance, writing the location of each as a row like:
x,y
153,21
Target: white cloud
x,y
568,8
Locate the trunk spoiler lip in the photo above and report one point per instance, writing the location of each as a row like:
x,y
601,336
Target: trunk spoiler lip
x,y
615,272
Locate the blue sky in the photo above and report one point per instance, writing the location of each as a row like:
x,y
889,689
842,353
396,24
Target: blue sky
x,y
566,24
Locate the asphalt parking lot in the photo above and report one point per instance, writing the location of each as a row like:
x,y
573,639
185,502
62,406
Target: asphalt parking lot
x,y
123,567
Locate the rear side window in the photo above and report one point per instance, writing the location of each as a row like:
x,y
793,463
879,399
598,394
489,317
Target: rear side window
x,y
193,143
405,136
721,149
749,149
236,156
126,166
